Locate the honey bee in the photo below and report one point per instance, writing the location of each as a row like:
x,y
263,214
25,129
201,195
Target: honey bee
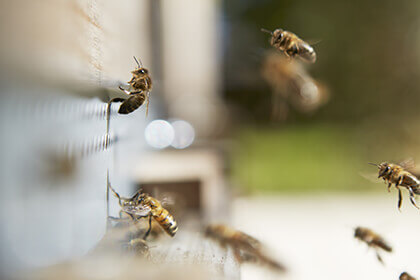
x,y
140,87
291,45
406,276
396,174
246,248
143,205
137,246
291,84
373,240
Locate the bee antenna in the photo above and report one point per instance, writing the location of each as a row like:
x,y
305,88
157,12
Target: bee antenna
x,y
374,164
266,31
140,65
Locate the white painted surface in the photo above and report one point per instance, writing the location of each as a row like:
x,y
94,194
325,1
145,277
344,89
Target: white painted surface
x,y
192,69
313,235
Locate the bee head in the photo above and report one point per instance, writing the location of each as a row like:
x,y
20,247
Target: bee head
x,y
211,230
139,197
357,232
208,231
405,276
278,35
384,169
141,72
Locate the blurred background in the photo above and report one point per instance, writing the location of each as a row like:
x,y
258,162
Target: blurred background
x,y
236,132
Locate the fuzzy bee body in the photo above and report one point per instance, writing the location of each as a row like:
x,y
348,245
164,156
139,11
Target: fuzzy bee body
x,y
229,236
140,87
406,276
373,240
291,45
143,205
132,103
246,248
397,175
292,86
141,82
161,215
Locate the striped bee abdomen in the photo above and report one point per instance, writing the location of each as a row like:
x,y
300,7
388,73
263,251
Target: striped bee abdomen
x,y
167,222
132,103
382,244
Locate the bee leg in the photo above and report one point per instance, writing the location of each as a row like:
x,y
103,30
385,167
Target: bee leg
x,y
399,198
399,192
116,194
124,90
150,227
389,186
287,55
237,255
292,51
117,99
147,106
132,217
108,116
115,218
379,258
412,198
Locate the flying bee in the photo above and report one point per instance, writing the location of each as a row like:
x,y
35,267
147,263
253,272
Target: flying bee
x,y
406,276
396,174
291,45
143,205
291,85
245,247
373,240
140,87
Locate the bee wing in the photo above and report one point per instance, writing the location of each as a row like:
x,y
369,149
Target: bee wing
x,y
166,198
313,42
373,177
167,201
138,210
408,164
251,242
307,53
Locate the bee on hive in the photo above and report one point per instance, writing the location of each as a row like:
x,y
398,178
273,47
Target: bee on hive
x,y
139,90
143,205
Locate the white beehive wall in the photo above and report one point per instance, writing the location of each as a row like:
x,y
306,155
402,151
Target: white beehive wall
x,y
59,59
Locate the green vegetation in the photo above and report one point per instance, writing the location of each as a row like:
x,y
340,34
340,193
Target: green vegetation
x,y
316,158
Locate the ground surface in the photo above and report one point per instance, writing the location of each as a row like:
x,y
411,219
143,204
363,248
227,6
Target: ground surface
x,y
313,235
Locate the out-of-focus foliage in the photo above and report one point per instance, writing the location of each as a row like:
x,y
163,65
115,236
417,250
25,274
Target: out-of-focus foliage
x,y
312,157
368,55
